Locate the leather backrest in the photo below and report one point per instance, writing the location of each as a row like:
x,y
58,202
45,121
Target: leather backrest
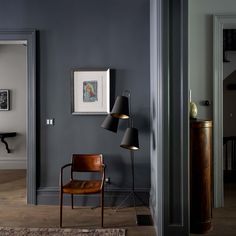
x,y
87,162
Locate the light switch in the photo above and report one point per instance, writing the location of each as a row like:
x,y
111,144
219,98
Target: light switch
x,y
50,121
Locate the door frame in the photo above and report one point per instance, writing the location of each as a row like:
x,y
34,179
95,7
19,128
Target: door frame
x,y
28,35
220,22
169,198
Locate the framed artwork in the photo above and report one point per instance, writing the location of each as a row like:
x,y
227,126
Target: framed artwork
x,y
4,99
90,91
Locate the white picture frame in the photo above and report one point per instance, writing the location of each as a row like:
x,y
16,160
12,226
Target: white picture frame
x,y
90,91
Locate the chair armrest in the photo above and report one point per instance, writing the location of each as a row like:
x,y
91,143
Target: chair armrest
x,y
103,173
61,173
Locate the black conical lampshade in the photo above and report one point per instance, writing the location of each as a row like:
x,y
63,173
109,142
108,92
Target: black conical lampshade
x,y
130,139
110,123
121,108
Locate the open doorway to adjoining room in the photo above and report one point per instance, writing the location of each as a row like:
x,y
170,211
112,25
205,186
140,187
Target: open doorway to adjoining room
x,y
18,119
13,121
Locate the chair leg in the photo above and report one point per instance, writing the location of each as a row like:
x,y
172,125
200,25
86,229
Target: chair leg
x,y
61,203
72,201
102,206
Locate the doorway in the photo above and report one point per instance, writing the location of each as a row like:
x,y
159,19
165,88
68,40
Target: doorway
x,y
221,22
13,70
28,37
229,109
13,161
229,119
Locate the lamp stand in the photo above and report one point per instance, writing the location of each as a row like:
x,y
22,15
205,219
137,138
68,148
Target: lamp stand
x,y
122,110
132,193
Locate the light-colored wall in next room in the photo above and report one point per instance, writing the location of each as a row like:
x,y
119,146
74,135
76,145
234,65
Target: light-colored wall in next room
x,y
201,49
13,77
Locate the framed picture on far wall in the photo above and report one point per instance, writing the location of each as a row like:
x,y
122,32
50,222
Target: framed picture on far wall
x,y
90,91
4,99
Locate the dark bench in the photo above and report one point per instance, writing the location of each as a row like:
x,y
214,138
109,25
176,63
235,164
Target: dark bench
x,y
7,135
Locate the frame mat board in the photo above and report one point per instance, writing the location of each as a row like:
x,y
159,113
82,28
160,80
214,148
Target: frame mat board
x,y
17,231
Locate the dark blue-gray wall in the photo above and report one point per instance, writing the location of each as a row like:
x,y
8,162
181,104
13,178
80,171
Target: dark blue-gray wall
x,y
114,34
92,34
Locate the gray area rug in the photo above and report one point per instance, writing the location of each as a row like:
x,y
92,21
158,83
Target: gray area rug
x,y
12,231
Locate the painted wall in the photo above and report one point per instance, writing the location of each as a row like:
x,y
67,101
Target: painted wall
x,y
13,77
201,49
87,33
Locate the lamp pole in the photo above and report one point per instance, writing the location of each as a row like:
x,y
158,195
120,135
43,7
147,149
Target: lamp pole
x,y
132,194
122,110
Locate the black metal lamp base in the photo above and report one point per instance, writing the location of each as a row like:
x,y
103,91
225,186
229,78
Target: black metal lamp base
x,y
132,195
144,220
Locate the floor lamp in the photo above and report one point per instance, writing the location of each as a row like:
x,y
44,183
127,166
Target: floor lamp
x,y
130,141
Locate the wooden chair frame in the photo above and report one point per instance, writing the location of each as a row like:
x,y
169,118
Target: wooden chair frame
x,y
89,163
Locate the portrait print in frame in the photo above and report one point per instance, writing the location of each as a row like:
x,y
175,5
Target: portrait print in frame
x,y
90,91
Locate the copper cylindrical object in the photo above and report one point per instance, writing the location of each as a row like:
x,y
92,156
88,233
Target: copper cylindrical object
x,y
200,176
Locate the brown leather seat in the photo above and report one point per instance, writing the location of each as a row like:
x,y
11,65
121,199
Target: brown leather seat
x,y
83,163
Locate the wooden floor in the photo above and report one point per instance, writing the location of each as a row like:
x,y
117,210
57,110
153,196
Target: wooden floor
x,y
224,219
15,212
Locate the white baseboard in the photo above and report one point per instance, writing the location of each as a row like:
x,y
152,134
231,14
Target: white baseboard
x,y
12,163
